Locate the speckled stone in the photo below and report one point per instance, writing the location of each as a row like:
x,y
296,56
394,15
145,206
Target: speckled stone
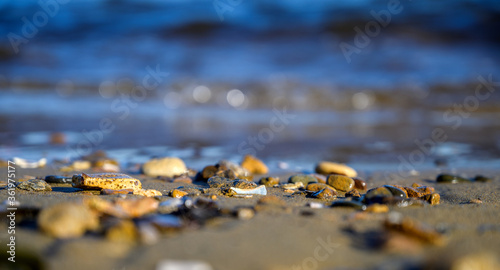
x,y
269,181
303,178
376,195
340,182
326,194
34,185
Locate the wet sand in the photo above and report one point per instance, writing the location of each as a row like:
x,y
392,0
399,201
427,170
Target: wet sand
x,y
276,239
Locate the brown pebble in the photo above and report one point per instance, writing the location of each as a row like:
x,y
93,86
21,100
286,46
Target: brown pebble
x,y
411,192
359,184
413,228
317,187
424,190
254,165
415,185
124,231
208,172
353,193
178,194
475,201
432,198
325,194
340,182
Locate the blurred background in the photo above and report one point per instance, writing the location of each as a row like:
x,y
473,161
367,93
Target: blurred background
x,y
292,82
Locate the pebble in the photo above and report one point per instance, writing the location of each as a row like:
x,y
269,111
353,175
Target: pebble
x,y
483,179
168,166
178,193
236,192
433,198
453,179
340,182
147,192
237,169
415,185
137,207
349,203
67,220
34,185
245,213
208,172
359,184
353,193
303,178
191,190
77,165
412,192
57,179
254,165
326,194
397,192
326,167
123,231
317,187
375,195
291,186
269,181
107,165
377,208
115,191
25,164
106,180
413,228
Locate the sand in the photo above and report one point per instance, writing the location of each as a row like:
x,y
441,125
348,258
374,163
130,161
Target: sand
x,y
293,239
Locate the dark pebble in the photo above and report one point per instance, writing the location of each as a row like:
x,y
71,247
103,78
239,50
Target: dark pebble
x,y
396,192
57,179
483,179
349,203
453,179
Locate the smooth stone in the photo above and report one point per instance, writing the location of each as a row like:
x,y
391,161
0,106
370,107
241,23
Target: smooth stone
x,y
396,192
291,186
453,179
412,192
340,182
147,192
318,186
269,181
34,185
303,178
67,220
359,184
325,194
349,203
327,167
57,179
208,172
375,195
168,166
483,179
254,165
137,207
178,193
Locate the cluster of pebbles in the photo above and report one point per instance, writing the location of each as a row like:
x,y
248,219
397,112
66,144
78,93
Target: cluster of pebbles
x,y
143,218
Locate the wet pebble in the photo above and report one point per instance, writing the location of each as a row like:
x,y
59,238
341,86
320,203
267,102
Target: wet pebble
x,y
340,182
269,181
359,184
303,178
34,185
397,192
326,194
57,179
453,179
168,166
327,167
349,203
254,165
67,220
482,179
317,187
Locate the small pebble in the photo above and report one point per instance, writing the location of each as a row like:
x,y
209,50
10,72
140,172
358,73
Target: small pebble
x,y
269,181
377,208
168,166
326,167
433,198
340,182
303,178
326,194
396,192
475,201
359,184
482,179
178,193
453,179
254,165
34,185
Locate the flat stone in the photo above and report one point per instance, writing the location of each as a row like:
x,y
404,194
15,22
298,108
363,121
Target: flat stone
x,y
106,180
254,165
34,185
327,167
67,220
375,195
57,179
147,192
340,182
168,166
453,179
269,181
303,178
